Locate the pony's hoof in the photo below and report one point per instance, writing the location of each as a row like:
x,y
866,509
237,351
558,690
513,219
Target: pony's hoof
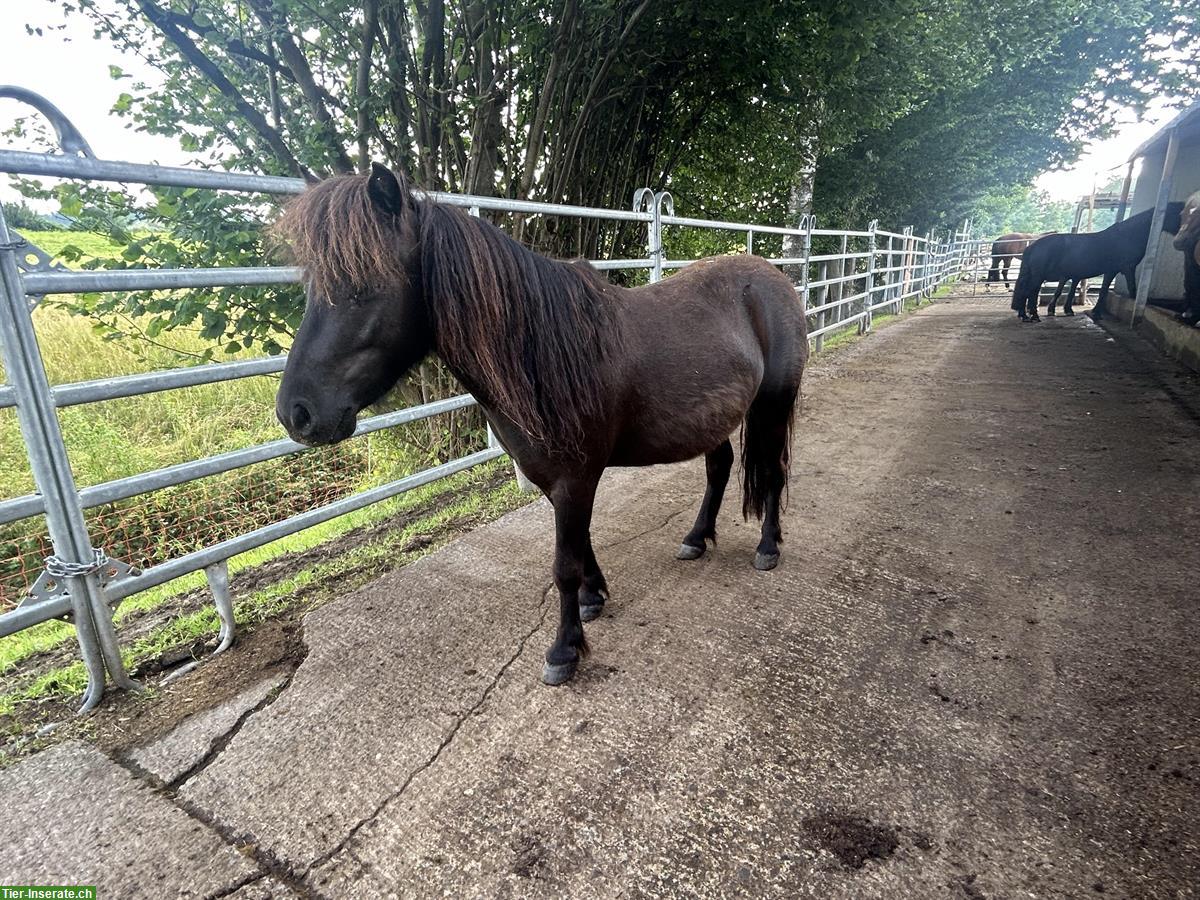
x,y
555,674
1035,318
765,562
1049,314
687,551
591,604
1068,312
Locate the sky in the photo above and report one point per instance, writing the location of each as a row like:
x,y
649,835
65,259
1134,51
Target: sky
x,y
70,68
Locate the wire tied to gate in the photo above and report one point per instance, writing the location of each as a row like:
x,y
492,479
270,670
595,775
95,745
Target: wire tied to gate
x,y
16,244
60,568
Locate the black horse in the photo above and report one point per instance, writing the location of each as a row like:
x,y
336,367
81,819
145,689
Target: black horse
x,y
574,374
1057,257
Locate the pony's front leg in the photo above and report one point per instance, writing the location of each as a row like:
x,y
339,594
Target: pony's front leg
x,y
572,520
1097,313
1031,303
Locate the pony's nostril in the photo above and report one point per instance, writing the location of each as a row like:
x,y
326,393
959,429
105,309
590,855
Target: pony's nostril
x,y
301,417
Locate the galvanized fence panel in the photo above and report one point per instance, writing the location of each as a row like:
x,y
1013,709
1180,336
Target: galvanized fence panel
x,y
873,270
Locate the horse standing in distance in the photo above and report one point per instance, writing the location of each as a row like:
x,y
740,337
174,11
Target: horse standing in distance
x,y
1058,257
1187,239
574,374
1006,248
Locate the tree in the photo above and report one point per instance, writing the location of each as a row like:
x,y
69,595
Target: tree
x,y
1054,74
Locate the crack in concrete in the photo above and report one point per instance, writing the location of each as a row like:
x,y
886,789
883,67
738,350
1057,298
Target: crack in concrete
x,y
641,534
446,741
237,886
245,844
218,746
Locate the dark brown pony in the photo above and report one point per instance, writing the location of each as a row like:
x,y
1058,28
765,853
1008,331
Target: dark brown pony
x,y
1187,239
573,373
1008,247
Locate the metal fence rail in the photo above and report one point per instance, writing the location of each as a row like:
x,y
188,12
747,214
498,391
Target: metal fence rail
x,y
874,270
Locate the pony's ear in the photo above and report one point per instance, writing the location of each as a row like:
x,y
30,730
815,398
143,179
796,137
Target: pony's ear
x,y
386,190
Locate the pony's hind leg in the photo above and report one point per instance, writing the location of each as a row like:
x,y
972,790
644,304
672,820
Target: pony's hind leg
x,y
1069,309
717,465
765,460
572,520
1054,299
594,592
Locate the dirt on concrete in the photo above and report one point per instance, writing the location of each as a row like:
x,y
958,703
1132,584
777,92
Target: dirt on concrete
x,y
972,674
853,839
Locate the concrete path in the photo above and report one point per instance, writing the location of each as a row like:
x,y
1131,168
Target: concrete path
x,y
973,674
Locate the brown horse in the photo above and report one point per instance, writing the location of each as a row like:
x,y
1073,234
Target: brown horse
x,y
574,374
1187,239
1008,247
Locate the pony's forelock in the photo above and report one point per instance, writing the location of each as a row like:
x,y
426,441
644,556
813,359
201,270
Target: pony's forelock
x,y
344,242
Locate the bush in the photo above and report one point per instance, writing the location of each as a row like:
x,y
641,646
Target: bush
x,y
19,215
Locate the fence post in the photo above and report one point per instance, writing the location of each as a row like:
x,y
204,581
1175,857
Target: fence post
x,y
927,265
645,200
869,279
908,266
894,275
75,563
839,311
662,200
806,225
822,299
961,256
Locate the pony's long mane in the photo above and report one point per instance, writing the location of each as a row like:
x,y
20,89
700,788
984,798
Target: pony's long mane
x,y
1142,220
531,333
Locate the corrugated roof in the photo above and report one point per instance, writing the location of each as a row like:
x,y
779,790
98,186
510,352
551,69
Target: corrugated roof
x,y
1188,121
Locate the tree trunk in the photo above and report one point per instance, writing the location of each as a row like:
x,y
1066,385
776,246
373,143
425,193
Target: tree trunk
x,y
800,198
800,194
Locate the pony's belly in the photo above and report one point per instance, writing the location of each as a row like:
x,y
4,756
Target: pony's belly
x,y
673,439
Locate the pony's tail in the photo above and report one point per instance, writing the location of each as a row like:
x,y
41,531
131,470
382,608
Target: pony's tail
x,y
766,453
994,271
